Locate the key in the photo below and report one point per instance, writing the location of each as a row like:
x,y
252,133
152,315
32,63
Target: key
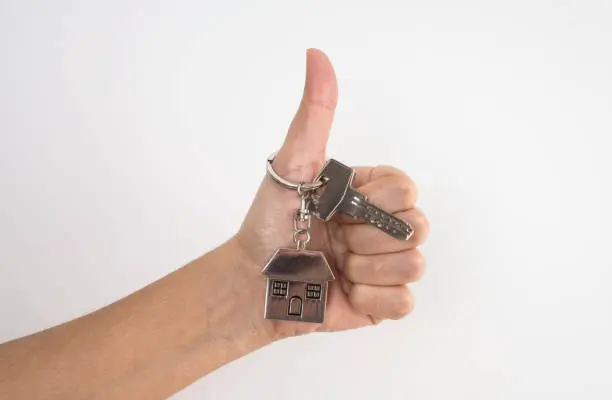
x,y
338,195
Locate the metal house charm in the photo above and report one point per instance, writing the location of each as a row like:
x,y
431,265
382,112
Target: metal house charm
x,y
297,285
297,279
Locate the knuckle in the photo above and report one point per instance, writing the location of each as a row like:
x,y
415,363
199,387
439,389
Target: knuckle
x,y
389,170
355,296
418,267
425,226
413,266
364,269
376,266
409,191
320,102
404,305
385,171
351,269
421,225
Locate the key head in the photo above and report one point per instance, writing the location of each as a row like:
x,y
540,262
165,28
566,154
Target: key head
x,y
338,178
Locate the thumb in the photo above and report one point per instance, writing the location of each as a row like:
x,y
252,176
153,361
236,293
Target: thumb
x,y
303,152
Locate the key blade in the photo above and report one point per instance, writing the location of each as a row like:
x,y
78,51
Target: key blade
x,y
353,204
356,205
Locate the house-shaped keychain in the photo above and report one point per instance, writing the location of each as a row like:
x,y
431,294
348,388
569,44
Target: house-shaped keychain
x,y
297,285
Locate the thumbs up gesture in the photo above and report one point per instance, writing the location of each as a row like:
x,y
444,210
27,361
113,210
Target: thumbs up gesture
x,y
371,268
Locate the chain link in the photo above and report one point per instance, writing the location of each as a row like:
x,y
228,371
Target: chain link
x,y
302,220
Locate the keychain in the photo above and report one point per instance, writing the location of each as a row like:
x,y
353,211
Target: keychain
x,y
298,278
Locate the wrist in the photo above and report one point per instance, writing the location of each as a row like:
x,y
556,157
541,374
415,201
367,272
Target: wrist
x,y
250,291
254,294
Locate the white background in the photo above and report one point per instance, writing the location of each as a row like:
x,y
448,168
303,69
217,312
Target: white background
x,y
126,126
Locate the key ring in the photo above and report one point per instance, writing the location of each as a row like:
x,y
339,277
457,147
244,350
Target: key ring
x,y
302,187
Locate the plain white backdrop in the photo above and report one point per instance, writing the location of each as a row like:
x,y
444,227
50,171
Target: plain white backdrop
x,y
133,135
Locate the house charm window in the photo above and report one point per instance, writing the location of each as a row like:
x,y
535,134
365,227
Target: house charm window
x,y
313,292
279,288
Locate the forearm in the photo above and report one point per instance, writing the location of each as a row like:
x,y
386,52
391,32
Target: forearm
x,y
148,345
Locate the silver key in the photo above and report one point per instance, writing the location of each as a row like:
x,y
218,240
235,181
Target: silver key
x,y
338,195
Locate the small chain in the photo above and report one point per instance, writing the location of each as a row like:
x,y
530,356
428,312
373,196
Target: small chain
x,y
302,220
308,206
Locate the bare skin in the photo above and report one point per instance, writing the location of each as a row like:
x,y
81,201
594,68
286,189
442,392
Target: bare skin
x,y
165,336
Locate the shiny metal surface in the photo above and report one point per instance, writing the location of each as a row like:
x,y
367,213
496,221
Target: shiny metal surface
x,y
356,205
339,195
302,220
302,187
297,285
338,178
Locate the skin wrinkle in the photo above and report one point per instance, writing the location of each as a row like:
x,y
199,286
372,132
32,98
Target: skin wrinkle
x,y
392,268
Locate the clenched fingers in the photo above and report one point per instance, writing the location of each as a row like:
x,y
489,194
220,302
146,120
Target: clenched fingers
x,y
385,269
382,302
364,175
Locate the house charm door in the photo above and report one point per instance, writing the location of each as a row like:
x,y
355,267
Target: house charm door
x,y
295,306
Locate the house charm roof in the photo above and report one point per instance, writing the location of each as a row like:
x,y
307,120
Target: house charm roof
x,y
303,265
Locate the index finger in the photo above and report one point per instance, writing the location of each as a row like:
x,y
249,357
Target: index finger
x,y
364,175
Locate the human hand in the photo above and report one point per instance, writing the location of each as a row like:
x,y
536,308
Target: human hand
x,y
211,311
371,268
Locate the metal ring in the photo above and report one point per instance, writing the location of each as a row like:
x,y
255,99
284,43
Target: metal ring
x,y
302,187
301,243
307,222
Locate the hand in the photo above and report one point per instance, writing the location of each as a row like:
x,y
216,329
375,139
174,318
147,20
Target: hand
x,y
211,311
371,268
